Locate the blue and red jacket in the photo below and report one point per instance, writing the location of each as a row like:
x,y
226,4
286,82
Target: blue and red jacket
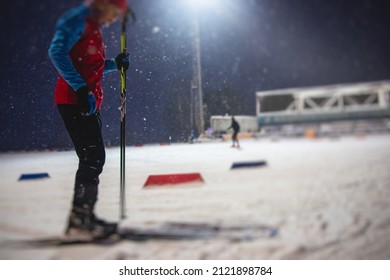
x,y
78,53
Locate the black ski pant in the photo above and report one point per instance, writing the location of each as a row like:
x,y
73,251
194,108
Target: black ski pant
x,y
86,135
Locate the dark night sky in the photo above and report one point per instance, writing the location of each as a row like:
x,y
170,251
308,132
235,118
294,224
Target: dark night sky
x,y
247,45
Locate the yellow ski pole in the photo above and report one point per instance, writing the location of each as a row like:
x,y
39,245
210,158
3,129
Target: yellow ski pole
x,y
123,116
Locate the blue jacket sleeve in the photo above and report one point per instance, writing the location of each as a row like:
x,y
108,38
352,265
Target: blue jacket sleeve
x,y
110,66
69,28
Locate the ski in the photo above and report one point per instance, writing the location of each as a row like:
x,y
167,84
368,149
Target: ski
x,y
171,231
123,234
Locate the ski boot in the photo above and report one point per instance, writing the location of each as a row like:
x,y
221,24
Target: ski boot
x,y
83,224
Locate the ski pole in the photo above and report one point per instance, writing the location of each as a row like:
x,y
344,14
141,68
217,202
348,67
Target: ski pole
x,y
123,122
123,115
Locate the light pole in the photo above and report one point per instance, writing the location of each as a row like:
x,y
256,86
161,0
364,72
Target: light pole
x,y
197,116
197,113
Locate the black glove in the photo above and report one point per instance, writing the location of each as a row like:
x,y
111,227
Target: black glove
x,y
122,60
87,101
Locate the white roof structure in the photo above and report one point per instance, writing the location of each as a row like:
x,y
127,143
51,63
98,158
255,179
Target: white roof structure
x,y
328,103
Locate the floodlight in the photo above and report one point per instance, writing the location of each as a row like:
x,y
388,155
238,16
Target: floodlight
x,y
201,4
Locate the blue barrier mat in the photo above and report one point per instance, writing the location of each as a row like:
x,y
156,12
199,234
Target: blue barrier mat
x,y
248,164
33,176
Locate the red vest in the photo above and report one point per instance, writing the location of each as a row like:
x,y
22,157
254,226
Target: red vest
x,y
87,56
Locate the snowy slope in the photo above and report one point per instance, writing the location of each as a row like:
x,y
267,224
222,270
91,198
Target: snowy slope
x,y
329,198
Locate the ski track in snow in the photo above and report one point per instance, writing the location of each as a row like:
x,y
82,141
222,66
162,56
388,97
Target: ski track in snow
x,y
329,199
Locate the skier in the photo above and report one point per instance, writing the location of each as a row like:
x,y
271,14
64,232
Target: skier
x,y
78,53
236,130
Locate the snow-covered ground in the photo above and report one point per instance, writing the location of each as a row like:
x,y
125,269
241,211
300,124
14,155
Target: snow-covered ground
x,y
329,198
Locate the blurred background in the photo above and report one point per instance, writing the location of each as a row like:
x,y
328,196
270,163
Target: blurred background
x,y
191,60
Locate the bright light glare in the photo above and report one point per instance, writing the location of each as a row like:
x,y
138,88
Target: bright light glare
x,y
201,4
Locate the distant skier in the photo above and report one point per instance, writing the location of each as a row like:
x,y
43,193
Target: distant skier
x,y
236,130
78,53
